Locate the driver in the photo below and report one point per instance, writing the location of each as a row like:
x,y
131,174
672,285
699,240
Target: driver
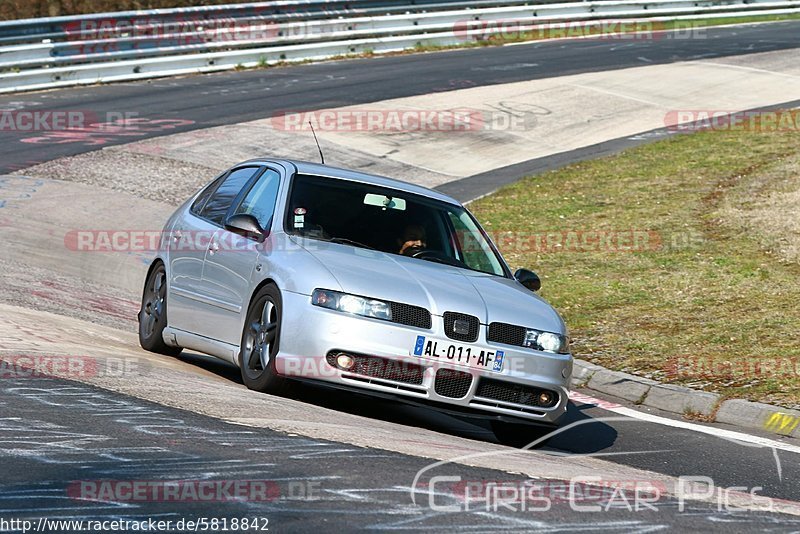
x,y
413,240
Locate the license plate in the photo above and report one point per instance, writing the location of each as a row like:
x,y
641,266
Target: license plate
x,y
458,354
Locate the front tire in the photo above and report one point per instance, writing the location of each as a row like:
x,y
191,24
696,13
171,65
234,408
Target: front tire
x,y
153,314
259,346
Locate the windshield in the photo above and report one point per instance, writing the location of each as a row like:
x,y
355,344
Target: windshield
x,y
390,221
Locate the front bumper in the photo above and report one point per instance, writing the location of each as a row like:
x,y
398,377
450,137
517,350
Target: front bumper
x,y
309,334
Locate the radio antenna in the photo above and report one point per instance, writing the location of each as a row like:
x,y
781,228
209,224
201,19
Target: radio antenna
x,y
321,157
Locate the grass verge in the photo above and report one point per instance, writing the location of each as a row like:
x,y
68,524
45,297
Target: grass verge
x,y
675,260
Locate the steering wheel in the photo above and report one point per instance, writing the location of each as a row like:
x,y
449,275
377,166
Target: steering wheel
x,y
438,256
426,253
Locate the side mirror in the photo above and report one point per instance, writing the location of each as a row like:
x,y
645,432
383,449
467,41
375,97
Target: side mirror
x,y
528,279
246,225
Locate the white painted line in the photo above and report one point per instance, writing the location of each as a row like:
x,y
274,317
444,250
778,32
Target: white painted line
x,y
745,68
712,431
674,423
619,95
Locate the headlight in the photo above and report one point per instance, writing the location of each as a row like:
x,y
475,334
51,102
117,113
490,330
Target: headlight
x,y
546,341
343,302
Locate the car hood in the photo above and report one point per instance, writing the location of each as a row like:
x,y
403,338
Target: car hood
x,y
434,286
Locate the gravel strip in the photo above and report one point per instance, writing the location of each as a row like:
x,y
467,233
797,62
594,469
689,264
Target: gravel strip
x,y
145,175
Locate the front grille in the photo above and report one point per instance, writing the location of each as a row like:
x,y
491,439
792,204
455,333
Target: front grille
x,y
410,315
490,388
506,333
473,324
452,384
383,368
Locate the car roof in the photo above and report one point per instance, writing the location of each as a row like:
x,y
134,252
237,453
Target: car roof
x,y
316,169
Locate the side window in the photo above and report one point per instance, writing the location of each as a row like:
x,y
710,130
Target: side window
x,y
260,200
201,200
475,250
220,202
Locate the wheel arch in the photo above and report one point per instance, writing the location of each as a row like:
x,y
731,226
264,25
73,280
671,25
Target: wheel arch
x,y
261,284
246,310
153,266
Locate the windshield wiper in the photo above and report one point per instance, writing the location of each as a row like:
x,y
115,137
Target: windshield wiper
x,y
345,241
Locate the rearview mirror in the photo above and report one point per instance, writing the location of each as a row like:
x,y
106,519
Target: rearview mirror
x,y
528,279
382,201
246,225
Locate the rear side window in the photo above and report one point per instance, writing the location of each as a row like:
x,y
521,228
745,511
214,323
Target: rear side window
x,y
220,202
260,200
201,200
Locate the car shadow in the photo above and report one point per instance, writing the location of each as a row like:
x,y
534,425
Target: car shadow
x,y
212,364
587,435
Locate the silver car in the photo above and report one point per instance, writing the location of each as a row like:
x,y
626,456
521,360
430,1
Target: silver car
x,y
290,269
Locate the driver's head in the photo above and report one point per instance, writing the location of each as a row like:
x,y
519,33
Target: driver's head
x,y
413,238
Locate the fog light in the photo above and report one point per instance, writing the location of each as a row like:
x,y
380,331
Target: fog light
x,y
345,361
545,398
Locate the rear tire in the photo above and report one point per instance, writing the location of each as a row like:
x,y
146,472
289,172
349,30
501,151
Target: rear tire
x,y
520,434
153,314
259,345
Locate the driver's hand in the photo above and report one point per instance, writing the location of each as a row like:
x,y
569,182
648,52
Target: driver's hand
x,y
413,243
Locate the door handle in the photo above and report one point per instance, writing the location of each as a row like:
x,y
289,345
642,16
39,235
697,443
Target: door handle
x,y
213,248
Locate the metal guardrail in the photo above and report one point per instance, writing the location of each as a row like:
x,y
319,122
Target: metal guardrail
x,y
109,47
57,28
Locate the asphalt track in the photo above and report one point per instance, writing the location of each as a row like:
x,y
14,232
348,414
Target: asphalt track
x,y
82,443
212,100
242,96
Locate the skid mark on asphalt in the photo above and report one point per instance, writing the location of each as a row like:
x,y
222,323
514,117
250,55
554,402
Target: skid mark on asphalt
x,y
108,438
103,133
84,297
21,336
14,189
321,479
77,297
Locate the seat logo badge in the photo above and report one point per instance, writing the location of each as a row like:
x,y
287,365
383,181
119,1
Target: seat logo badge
x,y
461,326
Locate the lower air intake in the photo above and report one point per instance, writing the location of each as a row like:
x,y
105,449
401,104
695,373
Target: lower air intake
x,y
452,384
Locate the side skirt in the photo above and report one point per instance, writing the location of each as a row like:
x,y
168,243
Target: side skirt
x,y
206,345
